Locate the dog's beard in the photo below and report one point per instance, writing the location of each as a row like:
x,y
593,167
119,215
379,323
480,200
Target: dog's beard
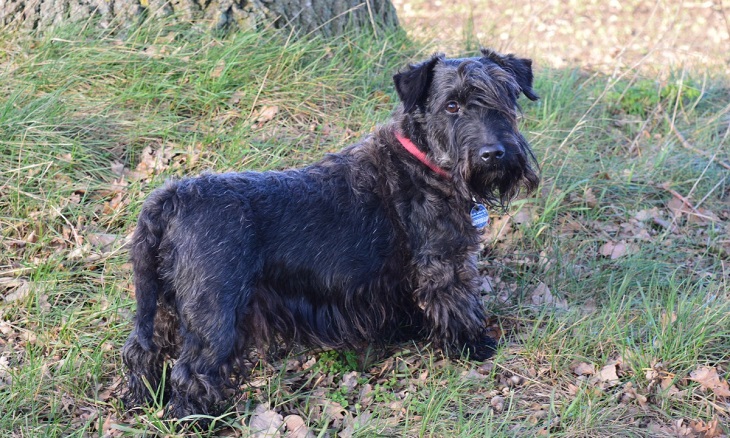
x,y
493,188
497,184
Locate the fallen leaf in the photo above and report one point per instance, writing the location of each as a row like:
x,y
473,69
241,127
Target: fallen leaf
x,y
218,69
396,405
20,293
670,389
538,412
667,319
296,428
107,392
707,430
498,228
265,423
635,231
497,403
630,394
583,368
525,215
659,430
613,250
118,168
708,378
486,286
151,162
309,363
680,430
590,198
700,216
645,215
4,369
545,262
541,296
108,430
11,282
473,374
326,410
155,52
28,336
236,97
101,241
354,424
589,306
333,410
568,227
607,375
677,207
485,368
266,114
349,381
366,395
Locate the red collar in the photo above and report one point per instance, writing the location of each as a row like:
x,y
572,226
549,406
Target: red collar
x,y
410,147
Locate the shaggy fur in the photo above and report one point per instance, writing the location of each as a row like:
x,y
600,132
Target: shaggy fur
x,y
343,253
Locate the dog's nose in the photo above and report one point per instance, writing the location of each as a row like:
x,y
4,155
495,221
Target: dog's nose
x,y
492,152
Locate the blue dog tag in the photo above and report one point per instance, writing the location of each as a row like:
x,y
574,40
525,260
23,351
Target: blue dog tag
x,y
479,216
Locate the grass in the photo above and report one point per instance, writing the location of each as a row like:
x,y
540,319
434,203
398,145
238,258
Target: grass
x,y
90,123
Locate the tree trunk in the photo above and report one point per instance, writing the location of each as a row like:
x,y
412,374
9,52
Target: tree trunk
x,y
327,17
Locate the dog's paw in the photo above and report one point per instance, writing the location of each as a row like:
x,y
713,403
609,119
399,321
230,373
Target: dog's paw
x,y
479,350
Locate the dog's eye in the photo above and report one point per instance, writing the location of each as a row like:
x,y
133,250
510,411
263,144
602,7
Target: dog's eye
x,y
452,107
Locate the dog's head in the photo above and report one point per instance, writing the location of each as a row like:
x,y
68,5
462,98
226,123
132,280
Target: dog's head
x,y
464,113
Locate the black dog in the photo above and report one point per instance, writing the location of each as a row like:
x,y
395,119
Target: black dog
x,y
374,240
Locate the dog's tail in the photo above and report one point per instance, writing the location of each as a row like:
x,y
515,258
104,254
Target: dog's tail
x,y
144,253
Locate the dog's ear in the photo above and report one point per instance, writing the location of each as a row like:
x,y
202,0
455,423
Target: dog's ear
x,y
520,68
412,84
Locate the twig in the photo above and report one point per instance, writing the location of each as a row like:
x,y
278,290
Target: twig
x,y
686,144
256,99
684,200
77,239
10,273
720,182
372,20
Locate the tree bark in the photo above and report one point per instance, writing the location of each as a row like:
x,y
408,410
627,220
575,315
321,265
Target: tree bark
x,y
327,17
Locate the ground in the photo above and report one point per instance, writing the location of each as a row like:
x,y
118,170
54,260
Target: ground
x,y
609,36
610,287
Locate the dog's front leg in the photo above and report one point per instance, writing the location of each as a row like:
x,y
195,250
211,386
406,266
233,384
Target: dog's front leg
x,y
448,295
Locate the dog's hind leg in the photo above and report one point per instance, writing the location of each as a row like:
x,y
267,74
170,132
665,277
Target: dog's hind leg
x,y
144,371
152,339
209,339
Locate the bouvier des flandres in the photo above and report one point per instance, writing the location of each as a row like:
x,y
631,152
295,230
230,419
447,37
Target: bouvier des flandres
x,y
376,240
